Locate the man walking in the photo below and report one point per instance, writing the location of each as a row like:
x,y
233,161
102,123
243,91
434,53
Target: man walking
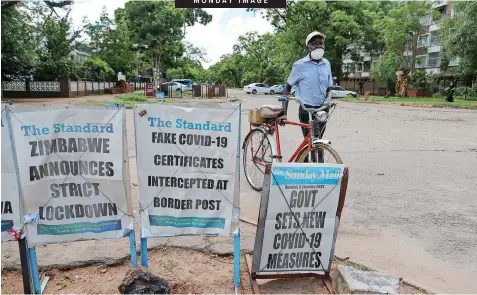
x,y
312,77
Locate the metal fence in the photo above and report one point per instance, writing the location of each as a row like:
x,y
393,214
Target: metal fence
x,y
56,89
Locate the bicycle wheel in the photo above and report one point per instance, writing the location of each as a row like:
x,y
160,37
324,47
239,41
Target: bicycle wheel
x,y
257,155
324,153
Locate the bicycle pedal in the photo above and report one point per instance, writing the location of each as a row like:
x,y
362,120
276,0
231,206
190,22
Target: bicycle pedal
x,y
277,157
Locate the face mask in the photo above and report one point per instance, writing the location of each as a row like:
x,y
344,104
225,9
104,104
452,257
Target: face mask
x,y
317,53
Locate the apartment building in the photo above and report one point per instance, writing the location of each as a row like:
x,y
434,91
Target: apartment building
x,y
428,57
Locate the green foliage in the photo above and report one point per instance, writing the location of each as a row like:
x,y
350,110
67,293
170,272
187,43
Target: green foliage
x,y
18,44
98,70
458,37
175,73
113,44
399,31
130,97
421,80
54,60
159,28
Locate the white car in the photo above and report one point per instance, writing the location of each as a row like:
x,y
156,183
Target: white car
x,y
340,92
275,89
176,86
336,92
255,88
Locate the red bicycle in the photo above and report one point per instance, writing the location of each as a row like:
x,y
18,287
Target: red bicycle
x,y
260,149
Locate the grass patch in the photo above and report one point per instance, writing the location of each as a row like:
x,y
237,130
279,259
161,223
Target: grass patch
x,y
129,100
358,266
436,102
137,97
169,267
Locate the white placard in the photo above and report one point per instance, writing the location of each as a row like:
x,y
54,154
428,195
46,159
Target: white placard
x,y
311,194
11,215
73,171
187,169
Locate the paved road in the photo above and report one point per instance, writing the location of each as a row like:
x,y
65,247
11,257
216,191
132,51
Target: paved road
x,y
411,203
411,206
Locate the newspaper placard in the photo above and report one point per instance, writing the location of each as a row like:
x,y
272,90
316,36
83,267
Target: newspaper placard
x,y
301,223
187,169
73,171
11,215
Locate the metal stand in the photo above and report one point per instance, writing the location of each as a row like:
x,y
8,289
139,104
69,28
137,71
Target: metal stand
x,y
132,249
25,266
256,286
254,276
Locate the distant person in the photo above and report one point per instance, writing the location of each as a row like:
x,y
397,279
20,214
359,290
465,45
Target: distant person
x,y
450,92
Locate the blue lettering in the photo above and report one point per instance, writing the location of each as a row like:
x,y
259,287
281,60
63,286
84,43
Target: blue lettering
x,y
179,123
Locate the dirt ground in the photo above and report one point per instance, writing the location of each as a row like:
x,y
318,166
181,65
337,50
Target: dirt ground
x,y
188,271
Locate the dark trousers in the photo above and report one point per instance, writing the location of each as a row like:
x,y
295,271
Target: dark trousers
x,y
318,130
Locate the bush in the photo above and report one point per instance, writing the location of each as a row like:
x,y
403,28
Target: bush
x,y
460,91
133,97
437,95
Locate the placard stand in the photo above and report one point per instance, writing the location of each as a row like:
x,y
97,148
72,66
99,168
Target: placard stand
x,y
39,283
253,261
236,234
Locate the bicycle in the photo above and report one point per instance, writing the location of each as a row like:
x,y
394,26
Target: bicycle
x,y
264,123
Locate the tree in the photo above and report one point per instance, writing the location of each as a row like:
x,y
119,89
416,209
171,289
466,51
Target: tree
x,y
55,43
399,31
346,25
458,37
160,26
113,44
18,43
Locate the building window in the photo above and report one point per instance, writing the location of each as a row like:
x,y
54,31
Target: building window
x,y
423,40
434,60
359,66
367,66
350,67
434,40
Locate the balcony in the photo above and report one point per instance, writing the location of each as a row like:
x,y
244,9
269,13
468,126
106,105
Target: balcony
x,y
434,27
454,62
438,3
433,71
434,48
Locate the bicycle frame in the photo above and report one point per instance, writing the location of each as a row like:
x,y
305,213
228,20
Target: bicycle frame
x,y
275,128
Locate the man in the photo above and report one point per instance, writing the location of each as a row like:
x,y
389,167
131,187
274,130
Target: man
x,y
312,77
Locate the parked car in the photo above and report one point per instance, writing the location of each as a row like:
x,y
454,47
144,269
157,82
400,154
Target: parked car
x,y
187,82
255,88
276,89
340,92
336,92
175,86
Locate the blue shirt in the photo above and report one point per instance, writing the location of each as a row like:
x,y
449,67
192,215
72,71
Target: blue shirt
x,y
311,79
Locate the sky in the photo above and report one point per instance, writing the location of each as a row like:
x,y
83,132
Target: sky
x,y
217,38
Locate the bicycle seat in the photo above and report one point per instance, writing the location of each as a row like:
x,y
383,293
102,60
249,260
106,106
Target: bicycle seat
x,y
271,111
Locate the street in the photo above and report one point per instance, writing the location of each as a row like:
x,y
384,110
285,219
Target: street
x,y
411,203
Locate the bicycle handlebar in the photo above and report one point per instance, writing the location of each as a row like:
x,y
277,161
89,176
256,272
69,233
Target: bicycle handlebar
x,y
328,103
